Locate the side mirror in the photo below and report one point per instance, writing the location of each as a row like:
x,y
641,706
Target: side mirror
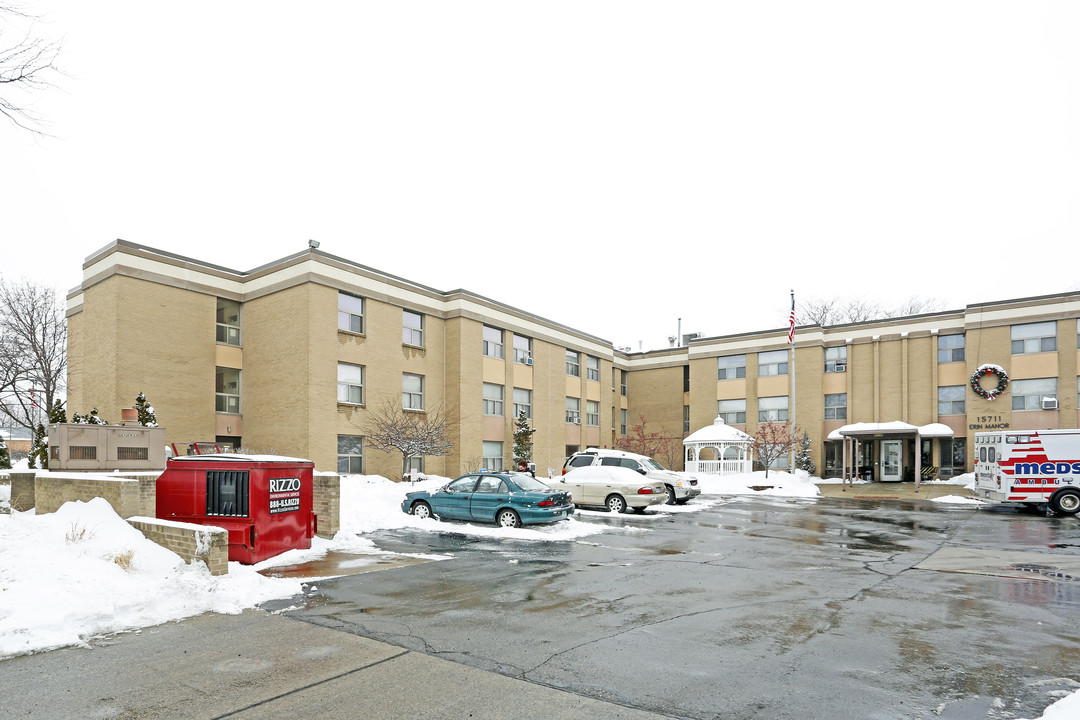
x,y
642,470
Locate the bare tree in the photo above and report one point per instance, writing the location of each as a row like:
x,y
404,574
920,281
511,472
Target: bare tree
x,y
655,444
773,441
33,350
840,311
391,428
26,62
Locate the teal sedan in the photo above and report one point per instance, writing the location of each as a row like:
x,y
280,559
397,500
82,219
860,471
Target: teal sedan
x,y
508,499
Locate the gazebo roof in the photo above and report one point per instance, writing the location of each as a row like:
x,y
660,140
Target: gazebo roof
x,y
718,432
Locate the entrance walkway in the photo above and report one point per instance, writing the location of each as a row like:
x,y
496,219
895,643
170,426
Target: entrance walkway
x,y
892,491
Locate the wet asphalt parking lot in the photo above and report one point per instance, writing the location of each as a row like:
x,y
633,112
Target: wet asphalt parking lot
x,y
749,608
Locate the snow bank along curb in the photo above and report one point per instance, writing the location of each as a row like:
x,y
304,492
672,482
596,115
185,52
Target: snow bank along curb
x,y
191,542
133,496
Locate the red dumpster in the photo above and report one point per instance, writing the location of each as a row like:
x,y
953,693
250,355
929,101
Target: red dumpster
x,y
263,501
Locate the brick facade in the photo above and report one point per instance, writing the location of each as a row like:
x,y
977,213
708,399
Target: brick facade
x,y
143,320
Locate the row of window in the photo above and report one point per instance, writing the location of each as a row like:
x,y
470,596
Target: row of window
x,y
1034,394
1026,339
350,456
351,319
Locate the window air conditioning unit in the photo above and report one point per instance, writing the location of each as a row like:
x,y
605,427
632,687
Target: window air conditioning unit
x,y
575,421
528,361
1049,403
841,367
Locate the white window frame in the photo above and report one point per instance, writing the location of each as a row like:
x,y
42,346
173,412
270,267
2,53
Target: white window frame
x,y
951,400
836,406
950,348
772,362
227,391
350,457
493,343
228,329
412,397
592,413
834,356
733,412
592,368
773,409
350,313
1033,338
573,410
412,334
1029,394
492,454
494,397
350,385
523,401
523,349
730,367
573,363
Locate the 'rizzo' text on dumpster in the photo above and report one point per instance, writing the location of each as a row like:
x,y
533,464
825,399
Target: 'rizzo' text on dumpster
x,y
284,495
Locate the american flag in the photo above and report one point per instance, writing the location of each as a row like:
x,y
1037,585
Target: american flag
x,y
791,321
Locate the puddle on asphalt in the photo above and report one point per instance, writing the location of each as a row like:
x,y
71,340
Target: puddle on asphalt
x,y
336,564
1004,563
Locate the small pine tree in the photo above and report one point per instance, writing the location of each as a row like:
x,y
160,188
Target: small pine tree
x,y
522,439
147,418
57,413
803,461
39,450
5,456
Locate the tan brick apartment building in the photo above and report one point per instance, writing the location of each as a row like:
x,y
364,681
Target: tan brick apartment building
x,y
294,356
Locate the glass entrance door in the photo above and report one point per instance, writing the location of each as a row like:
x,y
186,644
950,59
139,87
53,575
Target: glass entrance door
x,y
891,465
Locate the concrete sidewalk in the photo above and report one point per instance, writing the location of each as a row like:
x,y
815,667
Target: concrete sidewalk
x,y
258,665
892,491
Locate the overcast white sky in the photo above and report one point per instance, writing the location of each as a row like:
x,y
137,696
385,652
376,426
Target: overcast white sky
x,y
613,166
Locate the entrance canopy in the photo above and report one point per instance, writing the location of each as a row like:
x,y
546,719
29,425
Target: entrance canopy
x,y
891,429
853,434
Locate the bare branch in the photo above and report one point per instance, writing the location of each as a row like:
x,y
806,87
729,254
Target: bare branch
x,y
773,441
412,433
33,350
25,66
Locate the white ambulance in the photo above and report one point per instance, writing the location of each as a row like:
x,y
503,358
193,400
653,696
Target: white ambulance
x,y
1030,467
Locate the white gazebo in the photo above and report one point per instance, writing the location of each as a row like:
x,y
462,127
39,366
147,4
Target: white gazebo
x,y
719,449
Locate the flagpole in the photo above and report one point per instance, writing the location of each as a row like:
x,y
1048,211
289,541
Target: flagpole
x,y
791,369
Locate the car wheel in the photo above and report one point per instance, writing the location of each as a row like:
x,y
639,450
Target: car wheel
x,y
615,503
670,495
507,518
421,510
1066,502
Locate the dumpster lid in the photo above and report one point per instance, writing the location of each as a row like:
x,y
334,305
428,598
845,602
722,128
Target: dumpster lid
x,y
237,457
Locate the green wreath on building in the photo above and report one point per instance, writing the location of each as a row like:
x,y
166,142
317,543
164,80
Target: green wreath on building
x,y
983,371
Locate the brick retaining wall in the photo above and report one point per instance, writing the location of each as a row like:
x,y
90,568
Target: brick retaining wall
x,y
51,490
192,542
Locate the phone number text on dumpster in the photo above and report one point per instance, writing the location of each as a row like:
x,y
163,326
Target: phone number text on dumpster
x,y
284,495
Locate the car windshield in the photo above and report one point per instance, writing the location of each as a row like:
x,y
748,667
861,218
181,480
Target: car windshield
x,y
528,483
654,465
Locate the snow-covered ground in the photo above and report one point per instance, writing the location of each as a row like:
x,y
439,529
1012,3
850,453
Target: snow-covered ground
x,y
82,572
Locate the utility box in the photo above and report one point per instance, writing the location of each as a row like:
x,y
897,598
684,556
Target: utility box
x,y
263,501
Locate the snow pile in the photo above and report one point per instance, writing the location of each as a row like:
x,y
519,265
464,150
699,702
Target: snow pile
x,y
777,483
84,571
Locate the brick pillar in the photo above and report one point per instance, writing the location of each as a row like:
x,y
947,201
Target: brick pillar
x,y
22,490
326,502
